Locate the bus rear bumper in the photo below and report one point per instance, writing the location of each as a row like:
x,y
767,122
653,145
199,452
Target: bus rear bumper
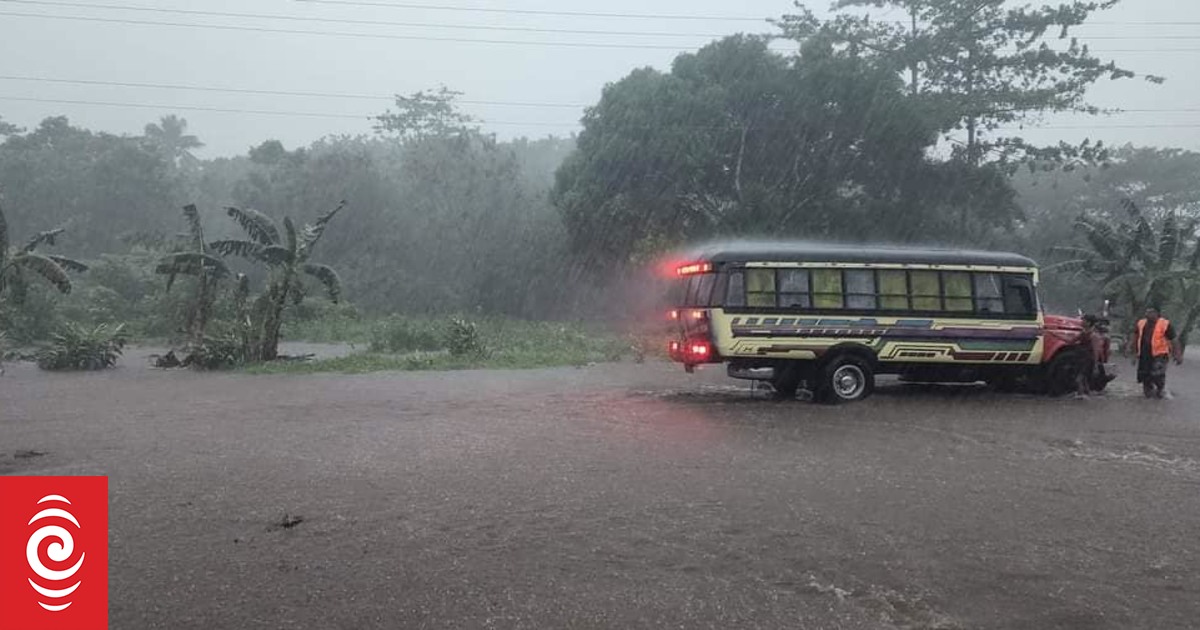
x,y
749,373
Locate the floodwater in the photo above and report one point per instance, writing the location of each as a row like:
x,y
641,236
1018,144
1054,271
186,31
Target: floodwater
x,y
620,496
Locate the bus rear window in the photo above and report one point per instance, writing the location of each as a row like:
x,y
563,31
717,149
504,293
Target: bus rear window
x,y
698,290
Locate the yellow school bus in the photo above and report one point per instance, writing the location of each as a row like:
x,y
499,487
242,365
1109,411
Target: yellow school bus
x,y
833,317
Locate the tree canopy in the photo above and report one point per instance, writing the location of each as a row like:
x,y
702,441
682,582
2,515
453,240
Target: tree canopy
x,y
739,139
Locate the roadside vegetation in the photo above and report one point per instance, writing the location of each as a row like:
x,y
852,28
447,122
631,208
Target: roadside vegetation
x,y
457,249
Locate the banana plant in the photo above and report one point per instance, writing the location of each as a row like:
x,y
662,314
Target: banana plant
x,y
286,255
198,262
1139,263
17,263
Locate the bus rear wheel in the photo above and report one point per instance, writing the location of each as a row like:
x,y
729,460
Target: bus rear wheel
x,y
845,378
786,381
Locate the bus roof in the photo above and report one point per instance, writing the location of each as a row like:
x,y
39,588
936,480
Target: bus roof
x,y
797,251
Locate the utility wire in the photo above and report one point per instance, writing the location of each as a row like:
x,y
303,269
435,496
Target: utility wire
x,y
475,27
259,112
202,88
649,16
563,125
438,7
380,97
294,18
458,40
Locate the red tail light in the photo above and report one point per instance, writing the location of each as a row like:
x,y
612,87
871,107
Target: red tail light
x,y
699,315
694,268
698,351
673,315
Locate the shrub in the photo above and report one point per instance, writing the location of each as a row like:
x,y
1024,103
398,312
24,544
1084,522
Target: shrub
x,y
215,352
74,347
402,335
463,339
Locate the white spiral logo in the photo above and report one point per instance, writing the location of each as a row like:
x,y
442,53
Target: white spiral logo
x,y
59,551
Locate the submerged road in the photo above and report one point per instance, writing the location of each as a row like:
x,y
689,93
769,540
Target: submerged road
x,y
620,496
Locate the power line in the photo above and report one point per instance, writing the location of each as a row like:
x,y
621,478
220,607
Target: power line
x,y
459,40
647,16
638,16
258,112
293,18
564,125
254,29
379,97
201,88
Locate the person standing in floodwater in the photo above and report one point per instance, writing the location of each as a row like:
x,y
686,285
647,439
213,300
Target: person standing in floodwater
x,y
1155,342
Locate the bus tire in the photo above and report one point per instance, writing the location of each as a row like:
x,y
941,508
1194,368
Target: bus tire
x,y
1062,373
844,378
786,381
1004,383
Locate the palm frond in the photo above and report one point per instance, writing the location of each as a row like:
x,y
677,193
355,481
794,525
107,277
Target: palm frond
x,y
328,277
258,226
191,264
1169,241
3,238
313,232
236,247
1139,247
48,237
290,229
70,264
46,268
1102,236
1194,263
276,255
196,231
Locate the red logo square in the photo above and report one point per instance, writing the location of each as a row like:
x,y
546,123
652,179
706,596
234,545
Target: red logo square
x,y
53,553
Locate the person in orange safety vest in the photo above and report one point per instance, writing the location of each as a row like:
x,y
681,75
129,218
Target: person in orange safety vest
x,y
1155,343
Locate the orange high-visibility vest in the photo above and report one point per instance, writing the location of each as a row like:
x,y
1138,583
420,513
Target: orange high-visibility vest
x,y
1160,346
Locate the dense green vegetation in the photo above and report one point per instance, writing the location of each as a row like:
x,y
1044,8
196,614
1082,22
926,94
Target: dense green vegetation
x,y
453,241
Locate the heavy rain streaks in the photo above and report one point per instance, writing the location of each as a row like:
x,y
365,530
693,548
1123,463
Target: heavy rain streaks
x,y
379,313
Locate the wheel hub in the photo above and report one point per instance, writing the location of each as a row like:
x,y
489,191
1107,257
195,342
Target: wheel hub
x,y
849,381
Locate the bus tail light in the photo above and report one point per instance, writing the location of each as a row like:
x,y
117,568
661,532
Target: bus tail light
x,y
695,268
699,351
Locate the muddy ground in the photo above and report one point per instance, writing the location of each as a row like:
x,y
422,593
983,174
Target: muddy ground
x,y
620,496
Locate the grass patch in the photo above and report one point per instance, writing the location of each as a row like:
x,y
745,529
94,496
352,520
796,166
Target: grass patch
x,y
407,344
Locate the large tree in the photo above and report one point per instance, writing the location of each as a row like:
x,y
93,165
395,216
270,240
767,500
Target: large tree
x,y
985,66
105,187
738,139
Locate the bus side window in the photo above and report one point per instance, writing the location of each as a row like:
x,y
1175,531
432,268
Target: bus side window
x,y
926,290
893,290
957,286
760,287
827,288
793,288
988,294
860,289
735,294
1018,295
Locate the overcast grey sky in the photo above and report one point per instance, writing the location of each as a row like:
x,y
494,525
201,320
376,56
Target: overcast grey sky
x,y
102,42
